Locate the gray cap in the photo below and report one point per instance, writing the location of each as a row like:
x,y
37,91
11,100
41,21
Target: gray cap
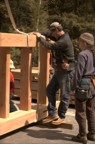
x,y
55,25
88,37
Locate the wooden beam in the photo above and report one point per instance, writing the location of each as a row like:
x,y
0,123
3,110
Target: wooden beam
x,y
41,111
25,89
34,94
64,125
4,82
16,120
17,40
43,74
34,73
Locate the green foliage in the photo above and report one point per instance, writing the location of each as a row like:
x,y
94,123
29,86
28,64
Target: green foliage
x,y
76,16
15,56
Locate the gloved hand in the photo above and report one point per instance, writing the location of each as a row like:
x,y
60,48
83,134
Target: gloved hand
x,y
37,34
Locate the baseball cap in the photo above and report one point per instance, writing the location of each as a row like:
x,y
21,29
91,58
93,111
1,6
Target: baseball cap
x,y
88,37
12,64
54,25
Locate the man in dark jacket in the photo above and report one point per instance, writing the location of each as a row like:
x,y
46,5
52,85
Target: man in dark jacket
x,y
63,55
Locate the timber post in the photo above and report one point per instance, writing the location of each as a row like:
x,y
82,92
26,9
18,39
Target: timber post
x,y
27,114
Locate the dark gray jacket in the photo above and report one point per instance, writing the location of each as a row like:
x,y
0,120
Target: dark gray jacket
x,y
62,48
84,67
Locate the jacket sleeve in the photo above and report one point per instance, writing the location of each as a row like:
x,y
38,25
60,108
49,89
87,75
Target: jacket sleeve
x,y
53,46
79,70
48,35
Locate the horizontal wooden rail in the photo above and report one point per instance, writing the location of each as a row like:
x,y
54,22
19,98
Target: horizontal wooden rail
x,y
26,114
17,119
17,40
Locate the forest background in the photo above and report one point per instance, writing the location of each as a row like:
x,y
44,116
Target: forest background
x,y
76,16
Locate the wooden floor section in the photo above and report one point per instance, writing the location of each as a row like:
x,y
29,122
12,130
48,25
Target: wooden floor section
x,y
22,118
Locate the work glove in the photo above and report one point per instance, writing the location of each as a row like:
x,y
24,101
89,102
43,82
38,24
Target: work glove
x,y
38,34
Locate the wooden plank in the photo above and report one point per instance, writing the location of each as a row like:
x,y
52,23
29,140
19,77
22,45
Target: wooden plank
x,y
34,85
34,74
17,40
4,81
16,74
33,70
17,84
34,94
41,111
16,120
17,92
35,77
64,125
43,74
25,90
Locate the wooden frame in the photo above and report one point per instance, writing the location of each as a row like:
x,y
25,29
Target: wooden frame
x,y
26,114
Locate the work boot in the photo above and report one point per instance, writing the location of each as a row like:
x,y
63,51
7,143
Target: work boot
x,y
91,136
58,121
79,138
50,118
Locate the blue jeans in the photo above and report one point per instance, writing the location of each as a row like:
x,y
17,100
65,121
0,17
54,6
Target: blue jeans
x,y
60,80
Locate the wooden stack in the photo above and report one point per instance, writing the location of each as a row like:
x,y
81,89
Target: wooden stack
x,y
34,83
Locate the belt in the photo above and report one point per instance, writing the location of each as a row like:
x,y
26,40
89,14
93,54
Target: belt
x,y
87,76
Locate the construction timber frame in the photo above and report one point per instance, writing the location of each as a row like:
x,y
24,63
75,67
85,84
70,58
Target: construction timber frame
x,y
27,114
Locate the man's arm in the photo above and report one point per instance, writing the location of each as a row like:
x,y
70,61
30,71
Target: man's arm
x,y
48,36
80,67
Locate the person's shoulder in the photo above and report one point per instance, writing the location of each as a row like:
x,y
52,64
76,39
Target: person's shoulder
x,y
66,36
84,52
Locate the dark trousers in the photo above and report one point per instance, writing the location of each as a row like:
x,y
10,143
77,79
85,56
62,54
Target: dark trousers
x,y
60,80
85,112
13,106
